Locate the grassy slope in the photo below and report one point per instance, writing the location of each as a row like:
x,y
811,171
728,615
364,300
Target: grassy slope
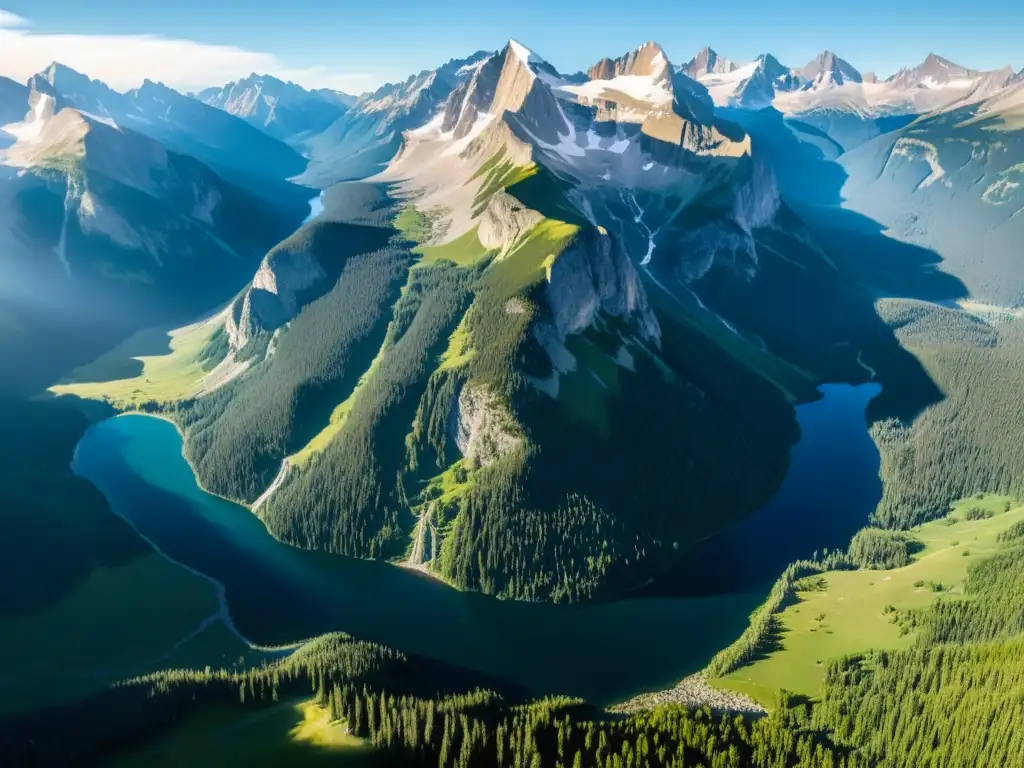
x,y
853,603
165,377
288,733
465,250
115,623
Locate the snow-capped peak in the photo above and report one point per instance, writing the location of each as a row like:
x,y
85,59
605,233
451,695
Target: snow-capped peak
x,y
524,54
708,62
827,71
934,72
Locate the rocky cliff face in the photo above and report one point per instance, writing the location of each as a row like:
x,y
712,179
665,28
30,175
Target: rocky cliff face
x,y
274,296
504,220
591,276
481,426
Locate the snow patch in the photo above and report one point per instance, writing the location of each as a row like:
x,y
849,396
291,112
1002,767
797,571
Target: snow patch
x,y
642,88
999,192
30,129
483,119
916,149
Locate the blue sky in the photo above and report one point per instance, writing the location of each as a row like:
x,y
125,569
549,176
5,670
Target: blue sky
x,y
359,45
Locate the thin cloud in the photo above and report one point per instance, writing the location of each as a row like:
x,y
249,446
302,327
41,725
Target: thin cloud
x,y
8,20
124,61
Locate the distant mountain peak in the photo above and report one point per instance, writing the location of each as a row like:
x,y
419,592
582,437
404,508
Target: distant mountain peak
x,y
935,71
828,70
61,74
708,62
934,60
647,60
526,55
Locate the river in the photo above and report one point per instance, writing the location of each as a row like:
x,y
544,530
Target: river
x,y
603,652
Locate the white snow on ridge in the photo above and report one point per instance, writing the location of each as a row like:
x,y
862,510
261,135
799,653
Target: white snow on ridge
x,y
31,127
430,129
723,85
874,99
963,82
637,87
483,119
524,54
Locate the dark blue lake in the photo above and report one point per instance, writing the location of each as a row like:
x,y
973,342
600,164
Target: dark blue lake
x,y
603,652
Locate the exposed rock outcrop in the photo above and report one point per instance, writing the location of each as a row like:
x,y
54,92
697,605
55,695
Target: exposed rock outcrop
x,y
593,275
481,426
274,296
693,691
504,220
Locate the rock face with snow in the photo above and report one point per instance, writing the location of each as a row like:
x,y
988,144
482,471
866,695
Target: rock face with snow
x,y
594,276
752,85
363,140
633,144
828,70
708,62
284,110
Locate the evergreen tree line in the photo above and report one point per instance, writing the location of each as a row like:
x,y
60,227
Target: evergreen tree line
x,y
762,633
411,718
881,549
956,697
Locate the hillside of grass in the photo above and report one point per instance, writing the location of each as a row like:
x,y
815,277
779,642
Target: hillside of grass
x,y
153,365
844,612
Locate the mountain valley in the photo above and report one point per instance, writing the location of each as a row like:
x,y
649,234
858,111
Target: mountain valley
x,y
501,358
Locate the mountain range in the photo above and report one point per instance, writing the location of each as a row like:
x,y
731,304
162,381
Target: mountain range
x,y
646,336
533,269
108,212
509,274
284,110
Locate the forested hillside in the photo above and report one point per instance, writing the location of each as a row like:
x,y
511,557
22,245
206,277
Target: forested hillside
x,y
413,381
968,441
414,712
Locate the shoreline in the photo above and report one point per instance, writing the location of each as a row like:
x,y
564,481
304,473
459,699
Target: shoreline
x,y
420,569
181,434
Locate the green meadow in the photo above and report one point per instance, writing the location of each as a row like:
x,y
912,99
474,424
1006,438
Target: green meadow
x,y
849,612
